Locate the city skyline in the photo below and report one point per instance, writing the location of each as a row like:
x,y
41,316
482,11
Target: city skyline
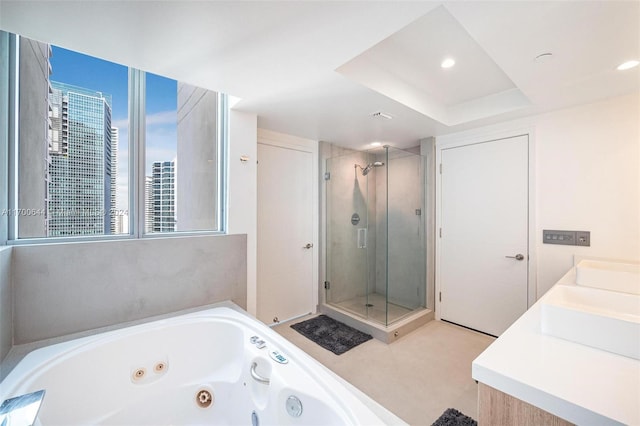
x,y
82,158
81,121
161,108
83,188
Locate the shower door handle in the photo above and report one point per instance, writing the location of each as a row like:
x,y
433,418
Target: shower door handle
x,y
362,238
308,246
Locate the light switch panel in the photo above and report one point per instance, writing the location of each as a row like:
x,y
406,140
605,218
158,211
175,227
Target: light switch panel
x,y
567,238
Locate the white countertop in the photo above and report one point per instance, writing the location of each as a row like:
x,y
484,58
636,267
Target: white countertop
x,y
583,385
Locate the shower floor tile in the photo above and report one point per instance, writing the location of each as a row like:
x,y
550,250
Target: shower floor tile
x,y
358,306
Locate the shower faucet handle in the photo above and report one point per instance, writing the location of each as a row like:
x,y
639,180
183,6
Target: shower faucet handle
x,y
308,246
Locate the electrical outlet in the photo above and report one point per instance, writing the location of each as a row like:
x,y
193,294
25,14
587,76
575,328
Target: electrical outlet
x,y
583,238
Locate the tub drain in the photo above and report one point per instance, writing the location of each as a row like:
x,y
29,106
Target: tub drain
x,y
204,398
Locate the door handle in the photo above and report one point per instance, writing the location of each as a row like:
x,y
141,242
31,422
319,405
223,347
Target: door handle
x,y
308,246
362,238
516,257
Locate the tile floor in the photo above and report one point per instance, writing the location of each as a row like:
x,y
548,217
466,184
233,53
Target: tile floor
x,y
416,377
377,312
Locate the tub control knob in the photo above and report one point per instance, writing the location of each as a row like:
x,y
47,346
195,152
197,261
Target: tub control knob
x,y
294,406
278,357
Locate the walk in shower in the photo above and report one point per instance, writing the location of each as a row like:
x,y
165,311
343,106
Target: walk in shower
x,y
375,234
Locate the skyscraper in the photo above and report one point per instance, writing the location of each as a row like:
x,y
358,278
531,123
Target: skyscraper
x,y
163,199
197,149
81,169
114,173
148,204
35,136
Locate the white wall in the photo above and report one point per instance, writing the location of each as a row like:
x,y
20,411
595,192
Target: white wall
x,y
587,178
243,192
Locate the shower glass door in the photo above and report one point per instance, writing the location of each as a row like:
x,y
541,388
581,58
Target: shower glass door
x,y
406,242
349,239
375,254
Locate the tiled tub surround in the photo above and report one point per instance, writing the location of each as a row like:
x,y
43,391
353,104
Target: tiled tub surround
x,y
61,289
158,372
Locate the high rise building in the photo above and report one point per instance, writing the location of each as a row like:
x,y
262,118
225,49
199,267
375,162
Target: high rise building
x,y
163,196
197,149
81,168
35,141
117,224
148,204
114,173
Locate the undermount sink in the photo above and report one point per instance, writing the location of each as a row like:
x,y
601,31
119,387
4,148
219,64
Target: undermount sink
x,y
615,276
602,319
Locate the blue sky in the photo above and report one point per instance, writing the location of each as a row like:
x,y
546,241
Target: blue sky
x,y
110,78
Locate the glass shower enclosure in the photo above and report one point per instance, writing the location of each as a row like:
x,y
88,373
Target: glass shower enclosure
x,y
375,229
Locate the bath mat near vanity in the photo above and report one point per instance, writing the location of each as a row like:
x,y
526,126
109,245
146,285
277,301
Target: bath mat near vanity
x,y
331,334
453,417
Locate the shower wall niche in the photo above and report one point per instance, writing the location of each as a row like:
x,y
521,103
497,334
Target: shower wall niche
x,y
375,234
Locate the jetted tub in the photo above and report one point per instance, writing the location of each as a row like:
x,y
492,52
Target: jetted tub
x,y
202,368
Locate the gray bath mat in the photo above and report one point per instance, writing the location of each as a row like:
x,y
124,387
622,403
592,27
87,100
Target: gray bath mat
x,y
452,417
331,334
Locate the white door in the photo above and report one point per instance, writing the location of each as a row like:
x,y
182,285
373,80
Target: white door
x,y
285,233
484,242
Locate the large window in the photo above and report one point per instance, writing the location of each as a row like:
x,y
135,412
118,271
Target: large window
x,y
181,157
80,132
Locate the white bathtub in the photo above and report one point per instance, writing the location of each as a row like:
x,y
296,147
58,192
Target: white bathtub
x,y
154,374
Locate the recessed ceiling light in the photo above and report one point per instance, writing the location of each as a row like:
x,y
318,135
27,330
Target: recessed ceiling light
x,y
376,143
448,63
628,65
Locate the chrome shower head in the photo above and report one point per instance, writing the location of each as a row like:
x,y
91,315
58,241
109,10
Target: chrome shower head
x,y
367,169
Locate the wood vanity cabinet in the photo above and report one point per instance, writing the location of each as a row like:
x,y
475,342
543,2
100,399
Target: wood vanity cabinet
x,y
498,408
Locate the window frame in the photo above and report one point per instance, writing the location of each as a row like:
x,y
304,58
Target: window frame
x,y
7,70
9,147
